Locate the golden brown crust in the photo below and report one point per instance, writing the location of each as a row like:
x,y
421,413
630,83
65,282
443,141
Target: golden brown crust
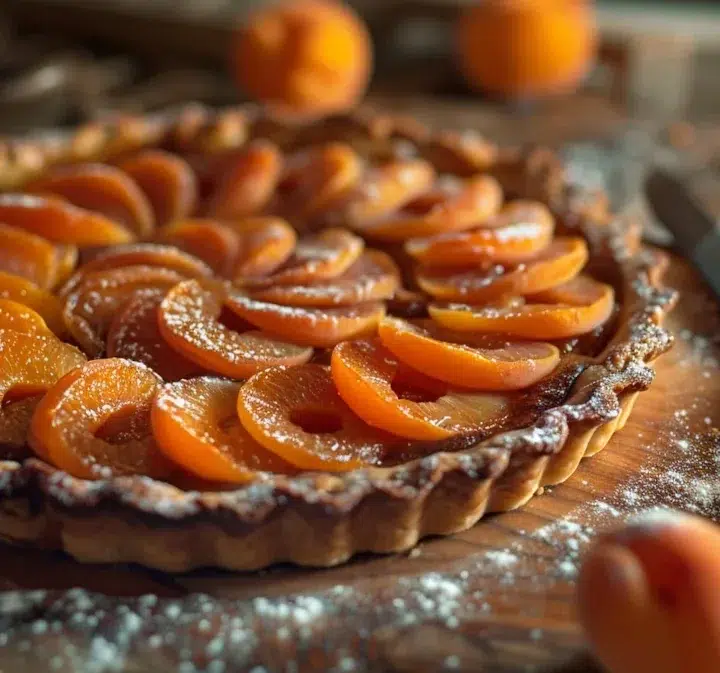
x,y
321,519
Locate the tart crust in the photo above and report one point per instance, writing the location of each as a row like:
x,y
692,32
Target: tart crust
x,y
318,519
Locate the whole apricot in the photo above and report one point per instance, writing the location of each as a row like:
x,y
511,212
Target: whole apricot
x,y
304,57
526,48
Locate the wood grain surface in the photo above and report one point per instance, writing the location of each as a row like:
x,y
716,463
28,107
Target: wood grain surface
x,y
499,597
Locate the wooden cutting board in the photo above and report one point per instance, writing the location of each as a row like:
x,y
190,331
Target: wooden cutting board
x,y
498,597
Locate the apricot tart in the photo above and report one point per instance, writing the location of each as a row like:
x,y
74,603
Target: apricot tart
x,y
227,341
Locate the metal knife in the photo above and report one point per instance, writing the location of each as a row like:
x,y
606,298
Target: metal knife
x,y
695,231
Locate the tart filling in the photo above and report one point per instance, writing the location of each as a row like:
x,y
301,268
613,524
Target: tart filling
x,y
213,313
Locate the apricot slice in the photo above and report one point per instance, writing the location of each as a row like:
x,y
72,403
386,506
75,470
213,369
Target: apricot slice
x,y
21,318
452,205
215,244
27,255
31,364
561,261
518,233
325,255
572,309
189,322
247,184
59,221
373,277
95,421
67,259
91,306
196,425
386,395
168,182
26,292
134,335
102,189
319,327
312,179
149,254
296,413
487,364
14,423
384,190
140,254
266,243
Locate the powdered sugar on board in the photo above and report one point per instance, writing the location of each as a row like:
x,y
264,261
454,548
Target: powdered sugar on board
x,y
77,631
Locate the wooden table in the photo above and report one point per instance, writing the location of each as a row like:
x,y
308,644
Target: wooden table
x,y
498,597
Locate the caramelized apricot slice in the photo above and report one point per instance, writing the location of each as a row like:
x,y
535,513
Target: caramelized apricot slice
x,y
31,363
266,243
91,306
215,244
486,364
384,190
247,184
140,254
519,232
149,254
320,257
134,335
313,178
373,277
67,259
319,327
59,221
25,292
27,255
296,413
168,182
405,402
95,421
572,309
188,321
21,318
14,423
561,261
196,425
102,189
452,205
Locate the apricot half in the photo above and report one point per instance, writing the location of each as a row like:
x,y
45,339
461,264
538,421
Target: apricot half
x,y
91,306
95,421
405,402
373,277
458,359
102,189
319,327
296,413
189,322
519,232
196,425
168,182
60,222
27,255
561,261
449,206
134,334
572,309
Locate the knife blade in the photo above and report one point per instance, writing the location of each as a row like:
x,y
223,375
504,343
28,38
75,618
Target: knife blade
x,y
695,231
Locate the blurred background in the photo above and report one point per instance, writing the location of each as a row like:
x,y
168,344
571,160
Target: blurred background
x,y
65,61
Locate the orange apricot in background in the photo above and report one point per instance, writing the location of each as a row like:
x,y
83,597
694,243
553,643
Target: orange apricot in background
x,y
304,57
525,48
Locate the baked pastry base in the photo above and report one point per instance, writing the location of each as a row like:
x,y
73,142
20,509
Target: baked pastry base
x,y
322,519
